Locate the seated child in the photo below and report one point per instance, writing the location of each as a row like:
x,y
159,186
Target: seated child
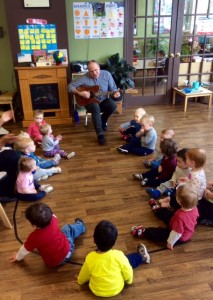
x,y
145,139
27,189
129,129
195,160
50,144
205,206
164,172
60,246
157,157
33,129
25,147
107,270
181,225
181,170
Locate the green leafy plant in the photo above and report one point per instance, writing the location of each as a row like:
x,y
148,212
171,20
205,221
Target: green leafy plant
x,y
120,71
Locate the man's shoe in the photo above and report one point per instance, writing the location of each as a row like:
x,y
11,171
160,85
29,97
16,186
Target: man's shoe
x,y
122,150
153,193
101,139
144,253
104,127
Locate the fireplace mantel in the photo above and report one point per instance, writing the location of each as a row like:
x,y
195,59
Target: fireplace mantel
x,y
44,75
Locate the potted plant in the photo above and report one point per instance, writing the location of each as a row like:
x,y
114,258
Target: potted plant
x,y
185,50
120,71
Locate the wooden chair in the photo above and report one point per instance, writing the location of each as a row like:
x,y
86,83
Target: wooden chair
x,y
4,217
3,214
7,98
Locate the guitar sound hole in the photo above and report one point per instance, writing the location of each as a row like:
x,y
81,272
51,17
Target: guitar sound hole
x,y
92,95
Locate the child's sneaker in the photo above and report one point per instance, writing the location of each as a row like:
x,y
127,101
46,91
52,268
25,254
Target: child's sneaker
x,y
137,230
48,189
147,164
70,155
44,177
43,187
56,170
77,220
152,202
2,174
138,176
155,207
56,159
144,253
144,181
153,193
122,150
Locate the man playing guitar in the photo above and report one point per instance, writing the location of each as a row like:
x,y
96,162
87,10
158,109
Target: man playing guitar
x,y
104,82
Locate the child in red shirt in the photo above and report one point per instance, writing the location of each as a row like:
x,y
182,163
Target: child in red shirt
x,y
34,128
55,245
181,224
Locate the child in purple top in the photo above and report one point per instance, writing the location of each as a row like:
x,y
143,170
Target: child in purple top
x,y
164,172
50,144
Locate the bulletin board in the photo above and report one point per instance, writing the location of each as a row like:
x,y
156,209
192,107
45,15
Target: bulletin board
x,y
94,20
37,37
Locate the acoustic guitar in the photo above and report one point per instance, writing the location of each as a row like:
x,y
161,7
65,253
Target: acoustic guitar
x,y
94,93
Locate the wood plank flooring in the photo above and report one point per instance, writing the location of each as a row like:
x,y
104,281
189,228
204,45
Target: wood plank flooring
x,y
97,184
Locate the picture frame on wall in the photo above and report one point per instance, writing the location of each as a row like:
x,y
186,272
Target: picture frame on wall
x,y
36,3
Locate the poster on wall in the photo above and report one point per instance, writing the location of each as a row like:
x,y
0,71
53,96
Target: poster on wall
x,y
95,20
37,37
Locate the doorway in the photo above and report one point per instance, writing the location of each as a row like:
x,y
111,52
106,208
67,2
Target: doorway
x,y
169,45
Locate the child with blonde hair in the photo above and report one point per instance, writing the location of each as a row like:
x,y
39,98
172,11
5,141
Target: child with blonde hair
x,y
27,188
129,129
34,127
145,139
157,157
181,224
25,147
195,160
50,144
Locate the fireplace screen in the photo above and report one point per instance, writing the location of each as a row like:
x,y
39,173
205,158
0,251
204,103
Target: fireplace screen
x,y
45,96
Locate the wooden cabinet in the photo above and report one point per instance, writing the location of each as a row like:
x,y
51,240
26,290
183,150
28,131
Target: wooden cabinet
x,y
54,75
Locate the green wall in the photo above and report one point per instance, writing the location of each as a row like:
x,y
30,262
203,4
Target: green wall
x,y
7,80
98,49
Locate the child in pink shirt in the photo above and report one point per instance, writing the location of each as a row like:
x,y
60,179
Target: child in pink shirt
x,y
27,188
33,129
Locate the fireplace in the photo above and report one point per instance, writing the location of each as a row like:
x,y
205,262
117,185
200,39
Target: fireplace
x,y
44,96
44,88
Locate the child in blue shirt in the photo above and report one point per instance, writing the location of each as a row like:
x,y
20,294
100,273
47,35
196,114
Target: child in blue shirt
x,y
145,139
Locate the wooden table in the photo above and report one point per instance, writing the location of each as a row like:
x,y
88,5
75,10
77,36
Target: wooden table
x,y
201,92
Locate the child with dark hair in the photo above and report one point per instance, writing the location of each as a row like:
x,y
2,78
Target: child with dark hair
x,y
181,170
107,270
54,245
164,172
181,224
27,188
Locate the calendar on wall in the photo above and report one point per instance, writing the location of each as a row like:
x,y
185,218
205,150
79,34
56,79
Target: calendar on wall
x,y
94,20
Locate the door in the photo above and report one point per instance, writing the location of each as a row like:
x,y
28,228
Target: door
x,y
195,44
150,48
180,29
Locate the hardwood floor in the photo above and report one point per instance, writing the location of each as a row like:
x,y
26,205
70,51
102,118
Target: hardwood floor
x,y
97,184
